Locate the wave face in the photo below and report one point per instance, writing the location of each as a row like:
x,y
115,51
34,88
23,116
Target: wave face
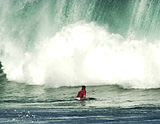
x,y
69,43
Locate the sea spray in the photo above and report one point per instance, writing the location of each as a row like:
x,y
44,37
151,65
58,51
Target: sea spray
x,y
85,53
68,43
145,19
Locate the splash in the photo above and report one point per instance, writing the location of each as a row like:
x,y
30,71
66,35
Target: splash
x,y
85,53
69,43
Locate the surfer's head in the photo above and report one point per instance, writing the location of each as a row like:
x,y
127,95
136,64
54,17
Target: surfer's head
x,y
83,87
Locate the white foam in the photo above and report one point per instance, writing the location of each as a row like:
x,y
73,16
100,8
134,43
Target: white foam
x,y
85,53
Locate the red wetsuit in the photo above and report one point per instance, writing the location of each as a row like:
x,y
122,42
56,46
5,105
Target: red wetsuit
x,y
81,93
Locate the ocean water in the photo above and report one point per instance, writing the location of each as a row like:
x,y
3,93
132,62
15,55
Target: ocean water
x,y
21,103
50,48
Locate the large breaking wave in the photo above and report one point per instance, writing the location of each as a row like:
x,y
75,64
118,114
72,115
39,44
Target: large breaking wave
x,y
70,44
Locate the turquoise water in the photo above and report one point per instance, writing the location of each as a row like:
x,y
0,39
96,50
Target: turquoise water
x,y
49,48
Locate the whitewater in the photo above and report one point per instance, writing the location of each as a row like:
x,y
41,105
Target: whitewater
x,y
77,53
50,48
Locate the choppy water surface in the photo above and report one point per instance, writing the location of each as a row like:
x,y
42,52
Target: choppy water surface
x,y
21,103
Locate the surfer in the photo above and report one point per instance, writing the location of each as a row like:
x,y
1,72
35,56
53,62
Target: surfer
x,y
82,93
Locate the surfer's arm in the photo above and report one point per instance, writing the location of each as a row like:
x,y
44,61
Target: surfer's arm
x,y
84,96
